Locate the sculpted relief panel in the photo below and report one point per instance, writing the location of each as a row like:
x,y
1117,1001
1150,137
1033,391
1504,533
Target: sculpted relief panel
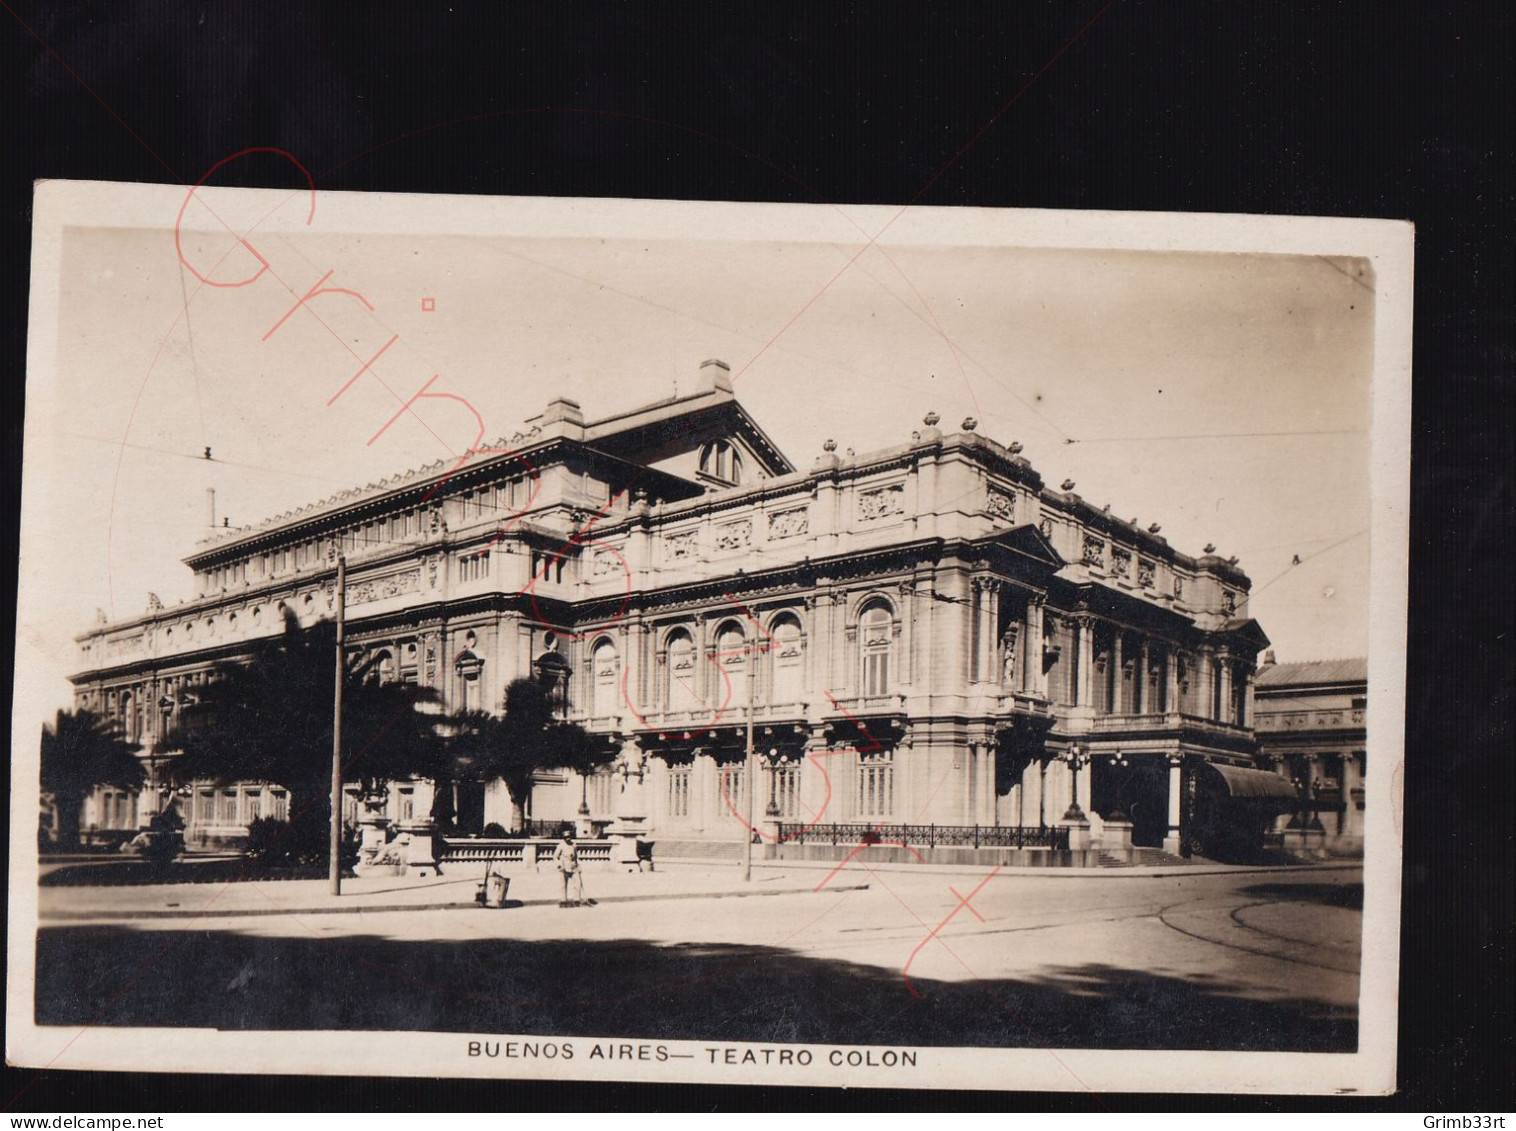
x,y
789,524
680,545
380,588
1001,506
880,502
734,535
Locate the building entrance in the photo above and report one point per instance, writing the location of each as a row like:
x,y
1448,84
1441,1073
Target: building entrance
x,y
1139,789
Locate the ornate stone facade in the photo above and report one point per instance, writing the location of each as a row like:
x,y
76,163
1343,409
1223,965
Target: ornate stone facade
x,y
909,652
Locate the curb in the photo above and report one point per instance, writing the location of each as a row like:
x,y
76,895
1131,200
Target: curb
x,y
1055,873
354,909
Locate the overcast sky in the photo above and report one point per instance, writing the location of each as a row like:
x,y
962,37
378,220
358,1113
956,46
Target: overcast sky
x,y
1223,395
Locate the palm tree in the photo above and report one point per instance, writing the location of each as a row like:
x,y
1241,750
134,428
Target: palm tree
x,y
528,737
81,751
269,718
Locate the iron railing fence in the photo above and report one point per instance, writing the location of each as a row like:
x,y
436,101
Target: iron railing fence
x,y
480,850
925,836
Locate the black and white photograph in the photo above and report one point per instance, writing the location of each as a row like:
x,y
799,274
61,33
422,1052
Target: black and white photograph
x,y
702,641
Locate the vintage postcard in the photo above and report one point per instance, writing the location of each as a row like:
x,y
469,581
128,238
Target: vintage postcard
x,y
908,647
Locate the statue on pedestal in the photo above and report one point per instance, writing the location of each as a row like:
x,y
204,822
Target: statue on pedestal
x,y
1008,657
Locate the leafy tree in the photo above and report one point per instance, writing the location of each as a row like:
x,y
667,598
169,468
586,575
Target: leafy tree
x,y
269,718
528,737
80,751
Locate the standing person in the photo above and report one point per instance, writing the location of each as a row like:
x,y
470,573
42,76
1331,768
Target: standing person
x,y
566,859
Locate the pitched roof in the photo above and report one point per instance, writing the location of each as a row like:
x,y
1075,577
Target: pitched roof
x,y
1354,669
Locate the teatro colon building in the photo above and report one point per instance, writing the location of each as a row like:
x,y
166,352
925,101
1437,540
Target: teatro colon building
x,y
926,639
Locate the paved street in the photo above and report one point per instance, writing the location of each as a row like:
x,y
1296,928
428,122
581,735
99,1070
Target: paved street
x,y
1198,959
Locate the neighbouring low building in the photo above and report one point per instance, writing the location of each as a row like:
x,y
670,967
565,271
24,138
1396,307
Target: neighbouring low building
x,y
928,640
1310,722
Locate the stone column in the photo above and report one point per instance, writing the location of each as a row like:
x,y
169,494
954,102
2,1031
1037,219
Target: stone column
x,y
1084,692
976,630
1173,841
703,787
1037,683
1245,702
1171,704
1120,702
1140,704
988,644
1226,714
1352,796
1205,683
908,641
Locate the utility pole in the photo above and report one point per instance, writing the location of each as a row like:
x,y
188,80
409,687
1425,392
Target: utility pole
x,y
748,772
334,866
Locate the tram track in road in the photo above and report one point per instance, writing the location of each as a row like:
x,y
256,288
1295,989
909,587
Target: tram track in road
x,y
1164,913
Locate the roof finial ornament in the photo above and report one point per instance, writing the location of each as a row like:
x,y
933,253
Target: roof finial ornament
x,y
1067,485
1015,448
829,446
969,424
1154,528
1210,547
930,419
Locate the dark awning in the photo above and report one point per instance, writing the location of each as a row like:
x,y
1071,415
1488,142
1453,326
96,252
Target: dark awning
x,y
1245,783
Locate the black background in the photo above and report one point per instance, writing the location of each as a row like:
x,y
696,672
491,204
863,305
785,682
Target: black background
x,y
1343,109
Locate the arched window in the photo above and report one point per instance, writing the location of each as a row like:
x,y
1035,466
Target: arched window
x,y
680,690
128,716
720,460
876,645
384,667
732,658
606,674
787,659
553,673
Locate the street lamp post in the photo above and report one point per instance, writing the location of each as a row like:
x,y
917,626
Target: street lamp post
x,y
1077,759
749,781
334,865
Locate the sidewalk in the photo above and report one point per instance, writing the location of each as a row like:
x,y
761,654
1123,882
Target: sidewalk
x,y
1058,872
454,890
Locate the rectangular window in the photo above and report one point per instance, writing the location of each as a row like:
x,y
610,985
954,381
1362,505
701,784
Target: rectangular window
x,y
279,805
473,567
601,791
227,814
730,799
407,803
876,784
253,804
679,792
787,791
876,673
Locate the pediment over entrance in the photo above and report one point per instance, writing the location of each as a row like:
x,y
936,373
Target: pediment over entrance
x,y
704,436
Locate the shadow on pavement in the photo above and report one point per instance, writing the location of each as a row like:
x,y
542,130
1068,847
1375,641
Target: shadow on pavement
x,y
132,872
117,975
1328,895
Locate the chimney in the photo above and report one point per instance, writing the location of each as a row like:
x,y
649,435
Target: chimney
x,y
715,375
1268,658
210,507
562,408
